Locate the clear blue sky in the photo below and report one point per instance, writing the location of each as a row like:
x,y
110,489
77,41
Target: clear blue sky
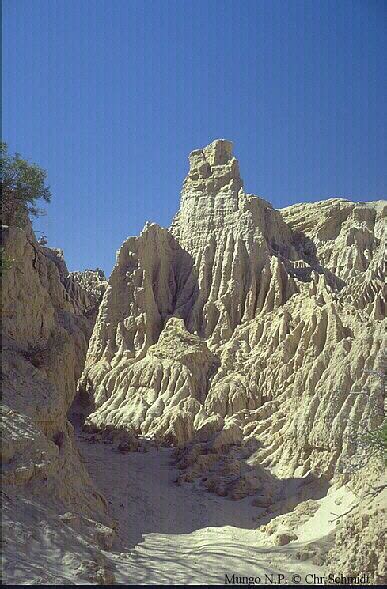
x,y
111,96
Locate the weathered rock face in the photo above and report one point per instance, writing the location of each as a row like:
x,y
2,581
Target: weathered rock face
x,y
166,388
45,336
360,540
88,288
270,318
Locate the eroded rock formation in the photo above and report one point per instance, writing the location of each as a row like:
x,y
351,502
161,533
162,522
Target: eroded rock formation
x,y
249,338
47,495
359,543
244,315
252,339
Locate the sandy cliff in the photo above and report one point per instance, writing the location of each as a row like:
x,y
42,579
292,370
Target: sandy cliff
x,y
48,497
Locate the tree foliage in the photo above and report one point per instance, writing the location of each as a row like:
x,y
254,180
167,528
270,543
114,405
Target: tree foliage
x,y
5,262
22,185
377,440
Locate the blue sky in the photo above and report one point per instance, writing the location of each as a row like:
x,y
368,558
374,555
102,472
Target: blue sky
x,y
111,96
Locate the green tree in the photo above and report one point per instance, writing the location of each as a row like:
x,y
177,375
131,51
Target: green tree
x,y
22,185
377,440
5,262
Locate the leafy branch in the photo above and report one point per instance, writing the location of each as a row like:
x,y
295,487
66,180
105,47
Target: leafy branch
x,y
22,185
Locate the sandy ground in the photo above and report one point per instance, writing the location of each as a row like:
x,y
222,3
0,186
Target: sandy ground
x,y
168,534
173,534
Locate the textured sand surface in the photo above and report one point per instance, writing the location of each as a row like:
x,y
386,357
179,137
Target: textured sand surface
x,y
180,534
167,533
